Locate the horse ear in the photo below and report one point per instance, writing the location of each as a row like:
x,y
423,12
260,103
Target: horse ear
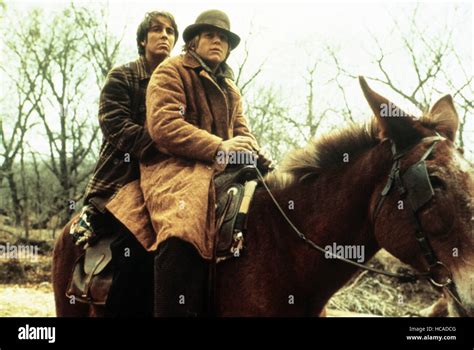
x,y
395,124
444,116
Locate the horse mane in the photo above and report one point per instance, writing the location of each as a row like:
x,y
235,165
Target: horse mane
x,y
327,152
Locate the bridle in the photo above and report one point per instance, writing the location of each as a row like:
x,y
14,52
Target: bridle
x,y
416,185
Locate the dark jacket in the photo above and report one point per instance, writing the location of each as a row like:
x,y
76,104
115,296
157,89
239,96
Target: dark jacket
x,y
122,114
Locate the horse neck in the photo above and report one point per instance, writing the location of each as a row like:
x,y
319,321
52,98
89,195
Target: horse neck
x,y
334,209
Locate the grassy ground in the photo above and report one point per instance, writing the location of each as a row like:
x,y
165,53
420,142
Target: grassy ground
x,y
26,300
369,293
25,286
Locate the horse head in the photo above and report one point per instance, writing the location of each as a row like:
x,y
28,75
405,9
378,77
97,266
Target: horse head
x,y
422,212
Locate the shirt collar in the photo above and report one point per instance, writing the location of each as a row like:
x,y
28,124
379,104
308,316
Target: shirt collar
x,y
224,71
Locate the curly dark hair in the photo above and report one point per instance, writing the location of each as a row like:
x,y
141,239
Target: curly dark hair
x,y
145,25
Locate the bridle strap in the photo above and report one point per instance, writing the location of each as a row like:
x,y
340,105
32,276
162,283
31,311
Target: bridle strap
x,y
394,175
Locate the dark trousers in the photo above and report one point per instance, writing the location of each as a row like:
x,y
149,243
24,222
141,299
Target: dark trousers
x,y
131,293
180,280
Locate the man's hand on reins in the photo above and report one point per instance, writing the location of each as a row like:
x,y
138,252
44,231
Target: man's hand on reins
x,y
238,144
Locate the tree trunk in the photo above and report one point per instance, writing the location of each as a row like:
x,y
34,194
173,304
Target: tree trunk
x,y
15,198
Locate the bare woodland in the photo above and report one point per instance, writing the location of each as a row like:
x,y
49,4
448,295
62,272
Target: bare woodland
x,y
53,68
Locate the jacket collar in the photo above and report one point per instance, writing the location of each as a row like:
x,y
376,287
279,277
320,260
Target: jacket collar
x,y
193,61
142,71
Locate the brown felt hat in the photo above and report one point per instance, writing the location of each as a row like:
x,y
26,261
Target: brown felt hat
x,y
211,19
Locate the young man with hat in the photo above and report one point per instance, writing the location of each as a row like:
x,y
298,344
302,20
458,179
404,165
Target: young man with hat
x,y
194,110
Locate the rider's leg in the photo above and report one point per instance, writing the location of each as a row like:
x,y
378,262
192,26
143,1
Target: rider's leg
x,y
180,280
131,293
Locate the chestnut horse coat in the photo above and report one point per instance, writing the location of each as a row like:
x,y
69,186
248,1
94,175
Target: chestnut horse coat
x,y
188,116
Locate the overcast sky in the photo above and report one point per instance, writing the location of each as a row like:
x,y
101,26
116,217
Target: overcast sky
x,y
289,36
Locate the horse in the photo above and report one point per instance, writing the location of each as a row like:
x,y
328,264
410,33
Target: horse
x,y
396,182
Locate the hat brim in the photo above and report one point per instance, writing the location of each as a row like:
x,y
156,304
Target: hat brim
x,y
191,31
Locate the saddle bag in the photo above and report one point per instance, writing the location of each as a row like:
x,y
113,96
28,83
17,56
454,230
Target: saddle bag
x,y
93,274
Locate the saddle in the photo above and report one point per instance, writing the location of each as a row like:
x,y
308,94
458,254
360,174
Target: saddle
x,y
234,192
92,274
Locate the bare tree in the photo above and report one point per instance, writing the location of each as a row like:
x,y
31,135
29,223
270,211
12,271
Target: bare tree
x,y
316,112
241,80
56,61
37,193
103,47
25,195
267,115
464,95
25,82
430,63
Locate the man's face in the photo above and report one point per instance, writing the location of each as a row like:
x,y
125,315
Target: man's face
x,y
160,39
212,47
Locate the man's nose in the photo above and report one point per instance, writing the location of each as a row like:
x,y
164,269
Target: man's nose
x,y
164,33
216,39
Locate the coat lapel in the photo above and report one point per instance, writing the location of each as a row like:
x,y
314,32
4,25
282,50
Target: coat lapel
x,y
218,105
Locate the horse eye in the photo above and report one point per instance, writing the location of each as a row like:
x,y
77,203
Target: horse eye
x,y
436,182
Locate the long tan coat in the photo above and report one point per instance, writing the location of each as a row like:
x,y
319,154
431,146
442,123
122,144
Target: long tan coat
x,y
188,116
